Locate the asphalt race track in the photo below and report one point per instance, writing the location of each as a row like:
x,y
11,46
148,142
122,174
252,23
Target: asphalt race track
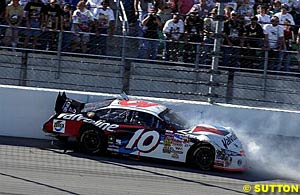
x,y
29,166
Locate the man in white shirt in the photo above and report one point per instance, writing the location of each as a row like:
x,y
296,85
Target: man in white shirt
x,y
173,31
284,15
274,42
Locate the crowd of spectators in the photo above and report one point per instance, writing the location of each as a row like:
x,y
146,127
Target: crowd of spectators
x,y
187,28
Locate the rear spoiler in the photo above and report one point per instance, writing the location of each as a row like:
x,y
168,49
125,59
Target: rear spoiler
x,y
65,104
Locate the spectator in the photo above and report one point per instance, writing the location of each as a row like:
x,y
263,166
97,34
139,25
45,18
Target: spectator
x,y
54,22
2,17
151,25
209,28
254,35
13,17
288,39
82,23
262,17
275,8
105,24
264,3
232,4
173,31
202,8
298,48
227,11
245,10
34,19
233,36
141,8
67,23
165,13
193,34
274,37
130,13
93,5
23,3
184,6
284,15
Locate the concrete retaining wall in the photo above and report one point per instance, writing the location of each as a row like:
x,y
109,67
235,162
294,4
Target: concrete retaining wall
x,y
24,110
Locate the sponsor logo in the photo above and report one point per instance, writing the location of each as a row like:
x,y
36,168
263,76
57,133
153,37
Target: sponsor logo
x,y
133,103
59,126
228,140
271,188
167,150
175,155
100,124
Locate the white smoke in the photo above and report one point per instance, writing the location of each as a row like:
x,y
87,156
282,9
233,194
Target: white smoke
x,y
268,152
272,154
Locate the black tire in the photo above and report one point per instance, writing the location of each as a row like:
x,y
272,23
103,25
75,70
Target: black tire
x,y
203,157
92,141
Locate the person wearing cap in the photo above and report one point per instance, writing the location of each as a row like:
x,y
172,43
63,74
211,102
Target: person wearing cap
x,y
254,35
283,15
173,31
104,24
151,26
233,36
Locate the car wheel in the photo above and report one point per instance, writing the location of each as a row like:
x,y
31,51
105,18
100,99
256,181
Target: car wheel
x,y
204,157
91,141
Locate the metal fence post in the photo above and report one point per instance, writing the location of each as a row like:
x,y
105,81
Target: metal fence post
x,y
265,72
125,71
60,37
217,46
23,71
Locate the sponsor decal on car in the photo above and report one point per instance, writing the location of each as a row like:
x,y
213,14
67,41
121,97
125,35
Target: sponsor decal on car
x,y
144,141
227,140
79,117
59,126
134,103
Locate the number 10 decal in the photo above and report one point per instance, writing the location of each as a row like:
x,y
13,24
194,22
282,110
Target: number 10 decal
x,y
139,138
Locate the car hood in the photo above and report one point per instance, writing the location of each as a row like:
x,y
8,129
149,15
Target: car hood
x,y
221,137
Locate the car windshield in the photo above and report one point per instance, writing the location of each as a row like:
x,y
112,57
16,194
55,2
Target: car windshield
x,y
96,105
174,119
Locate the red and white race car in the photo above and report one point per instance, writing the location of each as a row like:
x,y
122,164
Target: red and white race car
x,y
145,129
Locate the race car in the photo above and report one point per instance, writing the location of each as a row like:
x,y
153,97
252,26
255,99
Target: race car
x,y
144,129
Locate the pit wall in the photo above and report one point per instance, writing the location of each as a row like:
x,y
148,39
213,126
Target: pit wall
x,y
23,111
